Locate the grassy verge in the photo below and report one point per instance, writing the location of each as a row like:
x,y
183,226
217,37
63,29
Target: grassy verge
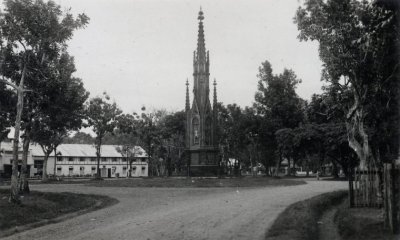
x,y
39,208
361,224
196,182
299,220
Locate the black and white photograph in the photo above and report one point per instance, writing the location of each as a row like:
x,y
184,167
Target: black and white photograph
x,y
200,119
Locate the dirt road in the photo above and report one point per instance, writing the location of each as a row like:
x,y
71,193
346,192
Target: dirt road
x,y
172,213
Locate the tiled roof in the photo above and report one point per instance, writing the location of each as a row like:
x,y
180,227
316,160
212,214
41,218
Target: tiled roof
x,y
86,150
8,146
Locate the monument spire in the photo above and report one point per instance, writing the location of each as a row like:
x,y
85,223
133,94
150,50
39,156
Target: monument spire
x,y
201,45
201,145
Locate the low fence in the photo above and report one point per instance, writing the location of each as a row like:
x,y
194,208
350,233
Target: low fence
x,y
365,188
377,188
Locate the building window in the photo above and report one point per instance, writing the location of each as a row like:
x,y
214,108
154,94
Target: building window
x,y
82,159
113,169
143,170
38,164
82,170
71,159
93,159
124,170
59,159
93,170
133,170
58,170
114,159
123,159
71,170
104,159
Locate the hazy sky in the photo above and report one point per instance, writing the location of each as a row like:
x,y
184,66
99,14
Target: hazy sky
x,y
141,51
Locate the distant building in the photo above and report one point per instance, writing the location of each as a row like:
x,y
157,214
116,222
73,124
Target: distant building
x,y
6,158
75,160
201,116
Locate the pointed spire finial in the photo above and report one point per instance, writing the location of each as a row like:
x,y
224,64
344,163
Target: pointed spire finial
x,y
187,105
201,17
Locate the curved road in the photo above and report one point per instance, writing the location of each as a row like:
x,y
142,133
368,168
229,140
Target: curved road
x,y
178,213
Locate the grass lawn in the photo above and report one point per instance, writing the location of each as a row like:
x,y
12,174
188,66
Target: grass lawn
x,y
299,220
38,207
196,182
361,224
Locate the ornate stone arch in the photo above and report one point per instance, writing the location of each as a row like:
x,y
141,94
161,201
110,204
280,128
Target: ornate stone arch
x,y
196,130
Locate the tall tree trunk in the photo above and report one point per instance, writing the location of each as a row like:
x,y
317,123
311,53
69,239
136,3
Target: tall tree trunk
x,y
307,164
130,168
24,184
359,142
98,155
14,196
335,172
278,165
45,160
251,163
355,127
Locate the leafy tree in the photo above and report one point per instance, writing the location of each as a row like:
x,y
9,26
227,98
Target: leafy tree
x,y
276,97
251,126
173,138
328,116
337,147
232,136
286,146
79,138
148,126
309,141
358,45
7,104
31,35
102,116
61,108
278,104
126,135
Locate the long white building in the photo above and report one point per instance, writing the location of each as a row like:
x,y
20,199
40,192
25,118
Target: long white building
x,y
78,160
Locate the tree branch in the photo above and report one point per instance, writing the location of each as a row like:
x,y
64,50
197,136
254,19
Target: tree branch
x,y
9,83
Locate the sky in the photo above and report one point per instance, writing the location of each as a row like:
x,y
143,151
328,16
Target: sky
x,y
141,51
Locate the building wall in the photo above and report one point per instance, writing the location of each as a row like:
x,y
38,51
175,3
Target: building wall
x,y
6,157
77,166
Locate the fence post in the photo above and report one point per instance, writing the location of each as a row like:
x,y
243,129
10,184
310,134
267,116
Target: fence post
x,y
392,197
396,198
351,191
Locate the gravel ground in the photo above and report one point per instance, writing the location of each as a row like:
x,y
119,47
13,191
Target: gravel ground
x,y
178,213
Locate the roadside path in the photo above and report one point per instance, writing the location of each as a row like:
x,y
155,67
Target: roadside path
x,y
178,213
327,227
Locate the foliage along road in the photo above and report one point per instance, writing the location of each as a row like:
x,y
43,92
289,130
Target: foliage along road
x,y
178,213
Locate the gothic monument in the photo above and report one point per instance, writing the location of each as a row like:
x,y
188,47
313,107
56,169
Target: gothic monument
x,y
201,117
